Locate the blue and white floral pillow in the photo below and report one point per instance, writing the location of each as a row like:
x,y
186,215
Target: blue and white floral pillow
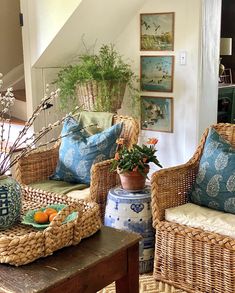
x,y
78,151
215,181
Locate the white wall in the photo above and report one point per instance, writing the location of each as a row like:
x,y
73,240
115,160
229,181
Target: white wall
x,y
93,23
46,18
42,21
173,148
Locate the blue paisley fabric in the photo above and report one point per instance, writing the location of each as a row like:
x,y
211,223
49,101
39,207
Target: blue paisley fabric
x,y
78,151
215,181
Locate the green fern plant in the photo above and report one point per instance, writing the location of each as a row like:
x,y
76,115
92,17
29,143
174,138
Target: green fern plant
x,y
107,68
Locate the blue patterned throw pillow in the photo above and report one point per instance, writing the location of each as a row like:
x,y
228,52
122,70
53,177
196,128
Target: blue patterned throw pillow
x,y
215,181
78,151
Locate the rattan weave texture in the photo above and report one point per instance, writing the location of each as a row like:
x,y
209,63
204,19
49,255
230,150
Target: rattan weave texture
x,y
191,259
147,284
22,244
40,164
90,95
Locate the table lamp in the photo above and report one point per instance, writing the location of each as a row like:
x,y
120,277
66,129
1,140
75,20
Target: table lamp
x,y
225,49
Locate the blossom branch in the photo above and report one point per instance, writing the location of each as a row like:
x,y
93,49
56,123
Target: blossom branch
x,y
36,112
26,143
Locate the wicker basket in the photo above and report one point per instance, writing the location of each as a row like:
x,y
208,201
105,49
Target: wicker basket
x,y
106,96
23,244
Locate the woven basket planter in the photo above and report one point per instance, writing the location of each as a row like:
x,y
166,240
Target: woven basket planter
x,y
102,96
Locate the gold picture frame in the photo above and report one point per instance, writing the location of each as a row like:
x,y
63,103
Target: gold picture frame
x,y
157,73
157,113
157,31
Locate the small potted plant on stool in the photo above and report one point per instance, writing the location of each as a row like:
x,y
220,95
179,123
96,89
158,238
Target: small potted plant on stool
x,y
132,165
129,207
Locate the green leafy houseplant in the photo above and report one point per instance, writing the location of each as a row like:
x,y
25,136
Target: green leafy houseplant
x,y
132,164
136,158
98,81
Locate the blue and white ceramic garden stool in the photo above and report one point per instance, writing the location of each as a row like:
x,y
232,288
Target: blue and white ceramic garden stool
x,y
132,211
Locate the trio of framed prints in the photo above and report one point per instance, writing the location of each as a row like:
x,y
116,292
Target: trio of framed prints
x,y
157,71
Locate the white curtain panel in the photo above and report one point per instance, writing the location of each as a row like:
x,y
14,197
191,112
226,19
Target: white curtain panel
x,y
210,34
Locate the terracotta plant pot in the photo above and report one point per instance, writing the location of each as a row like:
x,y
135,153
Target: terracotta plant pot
x,y
133,180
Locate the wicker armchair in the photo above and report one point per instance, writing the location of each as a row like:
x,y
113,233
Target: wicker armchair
x,y
39,165
191,259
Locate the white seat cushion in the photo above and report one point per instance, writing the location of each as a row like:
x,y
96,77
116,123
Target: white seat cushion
x,y
80,194
207,219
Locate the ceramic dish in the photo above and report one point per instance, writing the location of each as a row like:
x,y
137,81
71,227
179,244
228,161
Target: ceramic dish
x,y
28,218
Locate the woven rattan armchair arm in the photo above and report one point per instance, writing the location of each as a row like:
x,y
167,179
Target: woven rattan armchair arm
x,y
170,186
37,165
102,179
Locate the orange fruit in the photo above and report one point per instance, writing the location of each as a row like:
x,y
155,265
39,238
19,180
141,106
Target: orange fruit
x,y
50,211
40,217
52,216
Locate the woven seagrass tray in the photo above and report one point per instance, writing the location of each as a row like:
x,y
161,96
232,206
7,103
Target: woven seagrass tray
x,y
22,244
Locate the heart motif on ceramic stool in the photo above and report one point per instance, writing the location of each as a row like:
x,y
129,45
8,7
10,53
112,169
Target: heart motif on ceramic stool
x,y
137,207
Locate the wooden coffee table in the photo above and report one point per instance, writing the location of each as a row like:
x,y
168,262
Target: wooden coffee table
x,y
107,256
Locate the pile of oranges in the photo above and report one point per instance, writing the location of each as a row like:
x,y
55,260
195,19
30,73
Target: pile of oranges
x,y
42,217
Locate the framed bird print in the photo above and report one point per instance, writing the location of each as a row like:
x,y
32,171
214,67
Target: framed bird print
x,y
157,113
157,31
156,73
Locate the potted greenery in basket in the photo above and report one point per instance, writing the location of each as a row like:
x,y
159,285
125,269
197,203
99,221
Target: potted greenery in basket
x,y
97,81
132,164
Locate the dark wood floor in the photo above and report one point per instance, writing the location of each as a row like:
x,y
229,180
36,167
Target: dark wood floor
x,y
17,121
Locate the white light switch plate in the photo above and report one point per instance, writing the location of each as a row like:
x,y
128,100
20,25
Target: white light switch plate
x,y
183,57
